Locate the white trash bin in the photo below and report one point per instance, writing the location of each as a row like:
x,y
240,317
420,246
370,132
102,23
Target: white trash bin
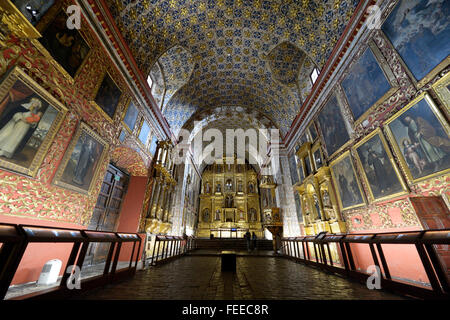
x,y
50,272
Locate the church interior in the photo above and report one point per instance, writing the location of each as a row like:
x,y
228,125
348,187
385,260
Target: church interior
x,y
247,149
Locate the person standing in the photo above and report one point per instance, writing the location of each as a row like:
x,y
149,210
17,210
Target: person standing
x,y
254,240
247,237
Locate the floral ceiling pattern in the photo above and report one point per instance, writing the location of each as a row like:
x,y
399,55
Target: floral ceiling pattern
x,y
229,42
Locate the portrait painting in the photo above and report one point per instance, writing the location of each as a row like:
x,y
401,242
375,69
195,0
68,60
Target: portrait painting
x,y
33,10
108,96
131,116
66,46
144,132
332,126
365,85
29,120
421,42
344,177
81,162
293,169
381,176
420,136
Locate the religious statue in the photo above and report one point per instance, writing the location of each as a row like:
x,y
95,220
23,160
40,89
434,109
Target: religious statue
x,y
206,215
250,188
218,188
217,217
207,188
240,186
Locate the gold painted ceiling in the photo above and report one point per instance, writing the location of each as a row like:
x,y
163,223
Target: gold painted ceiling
x,y
235,52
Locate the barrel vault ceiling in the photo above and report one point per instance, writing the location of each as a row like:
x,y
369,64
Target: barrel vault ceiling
x,y
220,53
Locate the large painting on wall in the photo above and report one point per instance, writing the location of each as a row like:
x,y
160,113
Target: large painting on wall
x,y
420,136
344,178
67,47
419,30
332,126
108,96
381,176
366,84
29,120
81,163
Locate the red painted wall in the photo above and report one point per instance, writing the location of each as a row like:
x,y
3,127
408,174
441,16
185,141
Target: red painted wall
x,y
408,267
131,213
37,254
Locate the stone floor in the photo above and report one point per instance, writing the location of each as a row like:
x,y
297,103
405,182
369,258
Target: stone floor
x,y
200,277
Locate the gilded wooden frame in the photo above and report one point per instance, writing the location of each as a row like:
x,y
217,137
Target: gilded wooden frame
x,y
16,22
336,185
67,155
42,25
389,75
94,95
393,141
17,74
371,197
440,87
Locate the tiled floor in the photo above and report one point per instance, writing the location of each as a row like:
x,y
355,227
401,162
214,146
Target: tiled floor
x,y
199,277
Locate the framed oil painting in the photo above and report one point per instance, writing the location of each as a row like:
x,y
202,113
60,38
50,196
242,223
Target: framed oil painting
x,y
420,137
131,116
65,46
293,169
349,189
29,120
421,42
33,10
144,132
379,170
442,89
368,83
108,96
332,126
81,163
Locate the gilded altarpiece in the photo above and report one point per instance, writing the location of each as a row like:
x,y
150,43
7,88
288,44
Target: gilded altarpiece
x,y
229,201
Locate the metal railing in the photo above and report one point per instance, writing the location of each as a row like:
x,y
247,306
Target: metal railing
x,y
315,251
166,248
14,240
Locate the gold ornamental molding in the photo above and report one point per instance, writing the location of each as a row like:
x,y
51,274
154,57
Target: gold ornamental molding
x,y
12,22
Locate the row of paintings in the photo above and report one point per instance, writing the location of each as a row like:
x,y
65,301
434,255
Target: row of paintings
x,y
29,119
420,137
68,50
421,42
